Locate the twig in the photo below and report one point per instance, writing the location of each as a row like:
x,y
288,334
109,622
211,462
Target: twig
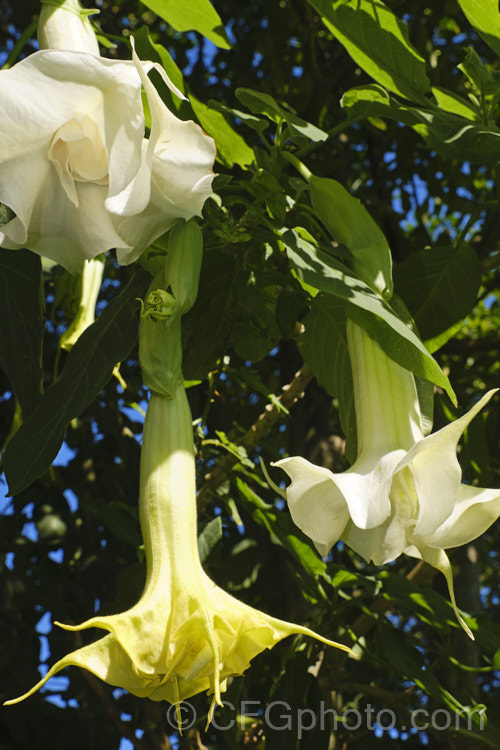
x,y
272,413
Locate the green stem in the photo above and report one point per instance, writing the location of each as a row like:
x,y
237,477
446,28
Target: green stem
x,y
299,166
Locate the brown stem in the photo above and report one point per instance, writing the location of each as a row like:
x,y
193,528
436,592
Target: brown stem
x,y
272,413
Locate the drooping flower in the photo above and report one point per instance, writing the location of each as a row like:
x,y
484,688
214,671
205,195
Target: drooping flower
x,y
90,283
185,635
76,170
404,492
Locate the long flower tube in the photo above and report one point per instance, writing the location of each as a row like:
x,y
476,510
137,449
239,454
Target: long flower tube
x,y
91,280
404,491
185,634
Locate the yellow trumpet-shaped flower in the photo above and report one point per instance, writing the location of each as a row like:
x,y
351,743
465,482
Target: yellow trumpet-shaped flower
x,y
185,635
404,491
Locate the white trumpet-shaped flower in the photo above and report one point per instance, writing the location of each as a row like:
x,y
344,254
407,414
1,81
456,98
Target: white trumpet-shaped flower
x,y
404,492
79,172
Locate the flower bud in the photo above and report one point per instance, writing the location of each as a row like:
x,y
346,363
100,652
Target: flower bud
x,y
64,24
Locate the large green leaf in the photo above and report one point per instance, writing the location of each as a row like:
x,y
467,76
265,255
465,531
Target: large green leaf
x,y
351,225
484,16
372,100
264,104
320,270
485,82
454,103
22,324
231,146
324,347
440,286
206,327
378,42
209,537
281,526
296,703
450,135
195,15
86,371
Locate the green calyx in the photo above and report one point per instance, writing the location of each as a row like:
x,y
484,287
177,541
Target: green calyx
x,y
172,293
73,6
159,305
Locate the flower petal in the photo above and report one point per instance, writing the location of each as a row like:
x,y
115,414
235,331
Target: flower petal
x,y
366,487
436,471
67,233
439,560
104,658
379,545
475,510
181,156
21,194
316,504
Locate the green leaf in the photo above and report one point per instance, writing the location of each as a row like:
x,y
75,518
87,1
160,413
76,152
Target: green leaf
x,y
351,225
296,703
282,527
231,146
121,525
256,123
378,42
22,324
364,306
288,309
452,136
263,104
484,16
196,15
206,327
324,347
485,82
453,103
372,100
209,537
457,138
86,371
440,286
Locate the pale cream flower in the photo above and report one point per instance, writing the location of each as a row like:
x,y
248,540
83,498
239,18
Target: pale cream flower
x,y
404,491
77,169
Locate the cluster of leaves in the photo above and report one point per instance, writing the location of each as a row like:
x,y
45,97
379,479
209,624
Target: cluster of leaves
x,y
295,94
